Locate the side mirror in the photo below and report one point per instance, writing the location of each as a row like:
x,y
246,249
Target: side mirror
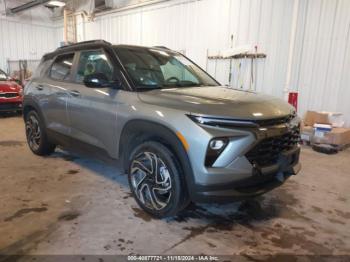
x,y
98,80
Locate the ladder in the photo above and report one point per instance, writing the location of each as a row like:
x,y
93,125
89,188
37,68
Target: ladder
x,y
69,30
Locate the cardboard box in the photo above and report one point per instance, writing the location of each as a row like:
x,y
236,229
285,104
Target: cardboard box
x,y
323,127
330,118
338,136
313,117
320,128
307,133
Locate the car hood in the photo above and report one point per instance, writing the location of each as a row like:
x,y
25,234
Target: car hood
x,y
218,101
9,86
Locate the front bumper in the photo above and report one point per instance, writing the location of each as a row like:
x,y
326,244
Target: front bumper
x,y
260,181
10,106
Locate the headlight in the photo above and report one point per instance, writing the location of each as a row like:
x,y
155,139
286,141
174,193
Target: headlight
x,y
222,122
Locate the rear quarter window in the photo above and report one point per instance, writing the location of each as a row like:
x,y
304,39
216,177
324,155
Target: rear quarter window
x,y
42,69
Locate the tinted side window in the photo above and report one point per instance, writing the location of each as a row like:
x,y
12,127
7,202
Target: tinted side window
x,y
3,76
93,62
42,68
61,68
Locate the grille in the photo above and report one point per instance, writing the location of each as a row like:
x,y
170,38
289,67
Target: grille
x,y
228,123
8,95
275,121
9,106
267,151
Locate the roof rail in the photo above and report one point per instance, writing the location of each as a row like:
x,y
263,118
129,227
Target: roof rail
x,y
84,43
162,47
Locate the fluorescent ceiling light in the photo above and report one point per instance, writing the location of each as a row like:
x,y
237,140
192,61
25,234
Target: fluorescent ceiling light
x,y
56,3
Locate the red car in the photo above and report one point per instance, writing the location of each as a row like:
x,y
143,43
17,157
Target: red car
x,y
10,94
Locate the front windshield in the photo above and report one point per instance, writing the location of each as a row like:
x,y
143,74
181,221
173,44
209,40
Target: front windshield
x,y
3,76
155,68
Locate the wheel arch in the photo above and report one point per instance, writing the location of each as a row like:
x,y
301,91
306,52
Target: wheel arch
x,y
138,131
27,109
30,104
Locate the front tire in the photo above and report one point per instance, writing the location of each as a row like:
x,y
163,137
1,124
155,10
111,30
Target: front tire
x,y
156,180
36,135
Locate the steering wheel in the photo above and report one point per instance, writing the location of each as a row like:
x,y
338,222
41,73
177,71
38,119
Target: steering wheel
x,y
172,80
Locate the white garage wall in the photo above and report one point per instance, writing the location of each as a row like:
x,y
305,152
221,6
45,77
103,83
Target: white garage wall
x,y
199,26
24,41
321,64
27,35
320,61
321,56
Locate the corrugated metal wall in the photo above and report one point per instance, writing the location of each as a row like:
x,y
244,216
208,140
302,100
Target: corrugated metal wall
x,y
321,56
201,26
20,40
320,61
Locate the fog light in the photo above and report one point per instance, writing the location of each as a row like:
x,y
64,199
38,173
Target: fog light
x,y
217,144
215,148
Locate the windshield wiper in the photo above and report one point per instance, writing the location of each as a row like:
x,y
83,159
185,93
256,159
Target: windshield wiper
x,y
183,84
191,85
148,88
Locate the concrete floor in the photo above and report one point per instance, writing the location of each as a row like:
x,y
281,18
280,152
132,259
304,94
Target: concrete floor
x,y
64,204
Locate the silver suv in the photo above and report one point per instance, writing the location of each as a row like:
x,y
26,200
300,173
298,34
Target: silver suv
x,y
176,132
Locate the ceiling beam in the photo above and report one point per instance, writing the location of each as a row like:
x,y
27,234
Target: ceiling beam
x,y
26,6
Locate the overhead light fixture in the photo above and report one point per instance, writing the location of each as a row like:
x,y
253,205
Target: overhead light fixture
x,y
56,3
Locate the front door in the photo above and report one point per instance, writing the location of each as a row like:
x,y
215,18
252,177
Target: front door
x,y
92,112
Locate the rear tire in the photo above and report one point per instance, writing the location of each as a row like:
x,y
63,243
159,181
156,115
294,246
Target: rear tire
x,y
156,180
36,135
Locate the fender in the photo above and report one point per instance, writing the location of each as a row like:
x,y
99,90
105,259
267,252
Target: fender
x,y
138,131
30,103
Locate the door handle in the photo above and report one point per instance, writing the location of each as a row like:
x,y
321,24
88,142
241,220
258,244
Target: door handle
x,y
75,93
39,87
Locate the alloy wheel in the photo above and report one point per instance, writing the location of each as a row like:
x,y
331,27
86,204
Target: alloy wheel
x,y
33,132
151,181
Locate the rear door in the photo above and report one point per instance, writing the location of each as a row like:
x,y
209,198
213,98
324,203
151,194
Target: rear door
x,y
93,111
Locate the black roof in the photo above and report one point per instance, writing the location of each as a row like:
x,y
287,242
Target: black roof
x,y
141,47
84,43
77,46
94,44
